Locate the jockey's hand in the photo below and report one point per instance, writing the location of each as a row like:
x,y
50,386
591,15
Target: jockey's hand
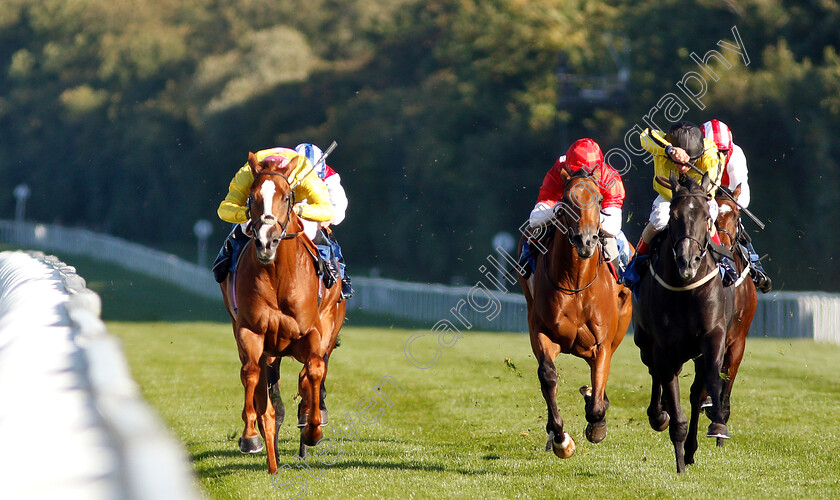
x,y
678,155
325,224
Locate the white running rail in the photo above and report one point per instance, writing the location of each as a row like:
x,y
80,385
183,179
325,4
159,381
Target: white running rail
x,y
72,420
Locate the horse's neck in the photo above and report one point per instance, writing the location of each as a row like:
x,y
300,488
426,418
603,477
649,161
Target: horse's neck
x,y
566,266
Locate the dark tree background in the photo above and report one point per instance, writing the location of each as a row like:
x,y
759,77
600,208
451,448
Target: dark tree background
x,y
131,116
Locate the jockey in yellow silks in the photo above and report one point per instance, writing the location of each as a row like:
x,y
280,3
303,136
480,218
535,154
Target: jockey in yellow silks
x,y
311,197
682,146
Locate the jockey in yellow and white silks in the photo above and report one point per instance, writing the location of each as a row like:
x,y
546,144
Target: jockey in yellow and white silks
x,y
683,145
312,199
312,204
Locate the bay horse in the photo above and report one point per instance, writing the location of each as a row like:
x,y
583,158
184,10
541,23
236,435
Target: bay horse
x,y
279,308
729,228
575,307
682,311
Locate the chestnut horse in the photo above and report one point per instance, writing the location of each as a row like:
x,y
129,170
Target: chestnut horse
x,y
280,309
683,311
746,298
575,307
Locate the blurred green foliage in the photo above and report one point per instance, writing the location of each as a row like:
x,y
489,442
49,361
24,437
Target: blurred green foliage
x,y
131,117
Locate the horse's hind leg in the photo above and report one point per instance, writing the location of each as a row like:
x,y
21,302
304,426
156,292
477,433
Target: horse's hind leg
x,y
274,391
560,442
731,362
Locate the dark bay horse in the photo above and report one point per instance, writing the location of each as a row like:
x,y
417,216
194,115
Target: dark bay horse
x,y
279,308
576,307
746,298
683,311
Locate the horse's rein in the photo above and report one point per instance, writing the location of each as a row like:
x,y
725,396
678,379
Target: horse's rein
x,y
265,219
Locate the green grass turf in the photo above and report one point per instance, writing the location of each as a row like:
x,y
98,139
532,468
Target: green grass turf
x,y
472,426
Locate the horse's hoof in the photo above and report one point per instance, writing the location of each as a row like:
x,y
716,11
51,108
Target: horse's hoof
x,y
661,423
563,449
311,437
718,431
596,432
251,444
707,403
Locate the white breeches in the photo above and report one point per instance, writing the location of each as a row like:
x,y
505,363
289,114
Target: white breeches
x,y
661,212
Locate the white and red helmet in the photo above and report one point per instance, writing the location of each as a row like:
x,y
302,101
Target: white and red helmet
x,y
717,131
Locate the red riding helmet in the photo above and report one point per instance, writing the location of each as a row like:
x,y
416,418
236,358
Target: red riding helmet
x,y
717,131
584,153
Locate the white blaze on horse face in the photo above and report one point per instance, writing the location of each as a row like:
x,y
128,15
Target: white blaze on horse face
x,y
725,209
267,190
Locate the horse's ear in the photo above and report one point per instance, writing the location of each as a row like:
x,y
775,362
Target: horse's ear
x,y
704,183
290,166
737,192
565,175
674,181
255,165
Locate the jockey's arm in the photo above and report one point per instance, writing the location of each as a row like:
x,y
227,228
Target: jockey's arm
x,y
317,207
738,175
338,198
233,208
651,141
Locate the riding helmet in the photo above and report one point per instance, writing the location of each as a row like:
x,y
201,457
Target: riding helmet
x,y
687,136
312,153
584,153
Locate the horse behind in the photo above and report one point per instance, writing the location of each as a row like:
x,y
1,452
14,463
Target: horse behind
x,y
280,309
746,298
575,307
683,311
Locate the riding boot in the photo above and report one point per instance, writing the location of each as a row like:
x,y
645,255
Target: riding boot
x,y
526,260
327,265
763,283
727,271
221,265
346,286
229,253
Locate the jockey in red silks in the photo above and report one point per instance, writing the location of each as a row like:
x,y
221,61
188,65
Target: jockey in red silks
x,y
583,154
735,174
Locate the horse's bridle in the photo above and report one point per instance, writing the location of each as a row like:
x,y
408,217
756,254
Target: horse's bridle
x,y
270,218
572,229
703,245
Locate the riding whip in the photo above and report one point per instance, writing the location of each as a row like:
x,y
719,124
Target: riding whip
x,y
720,188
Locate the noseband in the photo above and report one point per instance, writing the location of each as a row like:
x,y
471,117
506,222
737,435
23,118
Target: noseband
x,y
703,245
270,218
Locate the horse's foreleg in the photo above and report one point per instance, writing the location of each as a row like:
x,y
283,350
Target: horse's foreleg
x,y
250,353
713,349
696,396
266,421
597,402
315,371
731,362
657,416
560,442
677,428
